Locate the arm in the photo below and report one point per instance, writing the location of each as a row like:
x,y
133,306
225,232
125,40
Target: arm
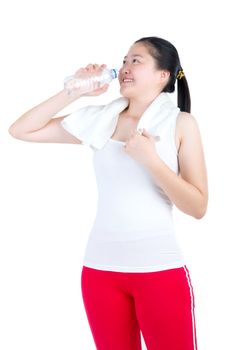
x,y
189,191
38,124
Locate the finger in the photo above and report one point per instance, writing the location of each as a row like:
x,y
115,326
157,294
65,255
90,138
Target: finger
x,y
101,90
90,67
139,131
81,70
103,66
95,66
145,132
104,87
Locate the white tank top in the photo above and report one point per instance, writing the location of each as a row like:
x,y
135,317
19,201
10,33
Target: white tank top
x,y
133,230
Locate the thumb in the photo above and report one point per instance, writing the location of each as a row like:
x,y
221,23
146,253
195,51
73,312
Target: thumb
x,y
146,133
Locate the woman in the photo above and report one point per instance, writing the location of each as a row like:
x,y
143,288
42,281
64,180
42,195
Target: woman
x,y
134,276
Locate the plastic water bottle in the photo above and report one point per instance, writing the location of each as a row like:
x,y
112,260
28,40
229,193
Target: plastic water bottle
x,y
87,82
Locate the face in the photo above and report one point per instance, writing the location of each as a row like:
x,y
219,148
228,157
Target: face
x,y
139,75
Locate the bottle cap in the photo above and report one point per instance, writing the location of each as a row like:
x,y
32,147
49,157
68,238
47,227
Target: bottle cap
x,y
115,73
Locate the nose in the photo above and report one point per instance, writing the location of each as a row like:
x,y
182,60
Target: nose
x,y
125,69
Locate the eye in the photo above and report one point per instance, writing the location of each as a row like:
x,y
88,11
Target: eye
x,y
135,60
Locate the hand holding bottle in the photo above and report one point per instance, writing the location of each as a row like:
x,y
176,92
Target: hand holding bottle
x,y
92,80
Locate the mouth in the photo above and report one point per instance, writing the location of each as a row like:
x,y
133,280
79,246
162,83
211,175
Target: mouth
x,y
126,81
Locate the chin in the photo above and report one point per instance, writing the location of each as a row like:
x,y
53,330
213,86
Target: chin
x,y
126,93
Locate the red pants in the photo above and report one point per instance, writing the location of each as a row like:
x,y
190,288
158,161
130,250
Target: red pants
x,y
121,304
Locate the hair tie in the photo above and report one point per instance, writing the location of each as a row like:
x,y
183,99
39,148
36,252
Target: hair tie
x,y
180,74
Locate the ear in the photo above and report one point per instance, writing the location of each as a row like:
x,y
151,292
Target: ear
x,y
164,74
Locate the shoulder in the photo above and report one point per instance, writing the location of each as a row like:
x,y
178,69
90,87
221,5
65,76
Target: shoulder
x,y
185,118
186,124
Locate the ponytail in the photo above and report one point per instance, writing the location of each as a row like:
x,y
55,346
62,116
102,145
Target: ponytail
x,y
183,94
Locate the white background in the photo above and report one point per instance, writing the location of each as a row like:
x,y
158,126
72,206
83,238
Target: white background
x,y
48,191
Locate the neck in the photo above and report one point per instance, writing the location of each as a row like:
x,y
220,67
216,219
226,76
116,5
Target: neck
x,y
137,106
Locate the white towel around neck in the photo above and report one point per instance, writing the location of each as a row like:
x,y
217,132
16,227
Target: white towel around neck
x,y
94,125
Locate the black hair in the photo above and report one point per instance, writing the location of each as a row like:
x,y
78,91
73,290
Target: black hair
x,y
167,57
